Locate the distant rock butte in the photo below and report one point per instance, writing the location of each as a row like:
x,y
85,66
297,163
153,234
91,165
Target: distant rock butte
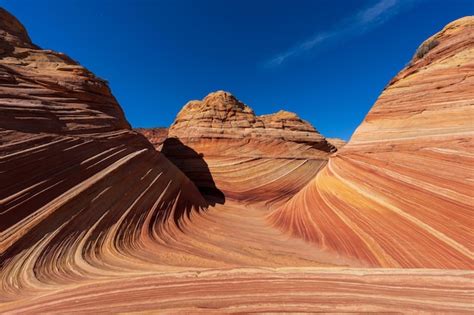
x,y
222,116
156,136
337,142
400,193
251,158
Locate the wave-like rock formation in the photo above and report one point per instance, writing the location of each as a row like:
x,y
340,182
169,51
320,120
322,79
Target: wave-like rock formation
x,y
268,290
251,158
86,200
78,186
400,193
93,219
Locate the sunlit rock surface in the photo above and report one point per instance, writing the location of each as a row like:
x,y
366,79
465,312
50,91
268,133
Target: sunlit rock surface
x,y
251,158
93,219
337,142
78,188
400,193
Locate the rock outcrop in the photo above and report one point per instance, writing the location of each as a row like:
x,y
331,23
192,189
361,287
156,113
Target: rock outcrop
x,y
86,200
222,116
77,183
93,219
251,158
399,194
337,142
156,136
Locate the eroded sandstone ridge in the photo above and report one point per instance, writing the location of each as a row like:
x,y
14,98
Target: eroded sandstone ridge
x,y
156,136
337,142
400,193
220,115
251,158
93,219
74,177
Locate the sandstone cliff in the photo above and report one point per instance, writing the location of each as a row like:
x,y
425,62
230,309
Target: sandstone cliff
x,y
222,116
86,200
399,194
251,158
156,136
74,177
337,142
94,220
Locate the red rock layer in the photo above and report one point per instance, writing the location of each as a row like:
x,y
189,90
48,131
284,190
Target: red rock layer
x,y
156,136
84,199
245,157
400,193
93,219
221,116
74,178
266,290
337,142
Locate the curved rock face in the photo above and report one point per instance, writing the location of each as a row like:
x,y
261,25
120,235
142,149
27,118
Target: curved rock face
x,y
399,194
86,200
37,83
251,158
337,142
76,183
156,136
93,219
222,116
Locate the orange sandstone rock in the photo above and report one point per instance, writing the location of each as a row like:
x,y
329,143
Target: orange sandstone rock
x,y
337,142
399,194
156,136
251,158
77,185
94,219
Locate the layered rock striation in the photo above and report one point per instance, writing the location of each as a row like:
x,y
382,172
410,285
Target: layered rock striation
x,y
399,194
86,200
156,136
221,116
93,219
251,158
337,142
77,185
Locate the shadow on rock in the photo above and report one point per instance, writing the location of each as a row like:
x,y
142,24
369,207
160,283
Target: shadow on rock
x,y
195,167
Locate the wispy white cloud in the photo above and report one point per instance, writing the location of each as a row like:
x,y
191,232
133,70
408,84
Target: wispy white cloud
x,y
357,24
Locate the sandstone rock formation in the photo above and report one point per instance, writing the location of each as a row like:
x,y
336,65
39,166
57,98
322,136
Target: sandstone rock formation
x,y
268,290
93,219
400,193
337,142
221,116
251,158
156,136
85,200
74,177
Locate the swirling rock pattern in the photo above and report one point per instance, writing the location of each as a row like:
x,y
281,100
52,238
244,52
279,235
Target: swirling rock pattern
x,y
252,290
77,185
93,219
251,158
400,193
220,115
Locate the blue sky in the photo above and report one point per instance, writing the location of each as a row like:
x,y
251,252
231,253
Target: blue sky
x,y
326,60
